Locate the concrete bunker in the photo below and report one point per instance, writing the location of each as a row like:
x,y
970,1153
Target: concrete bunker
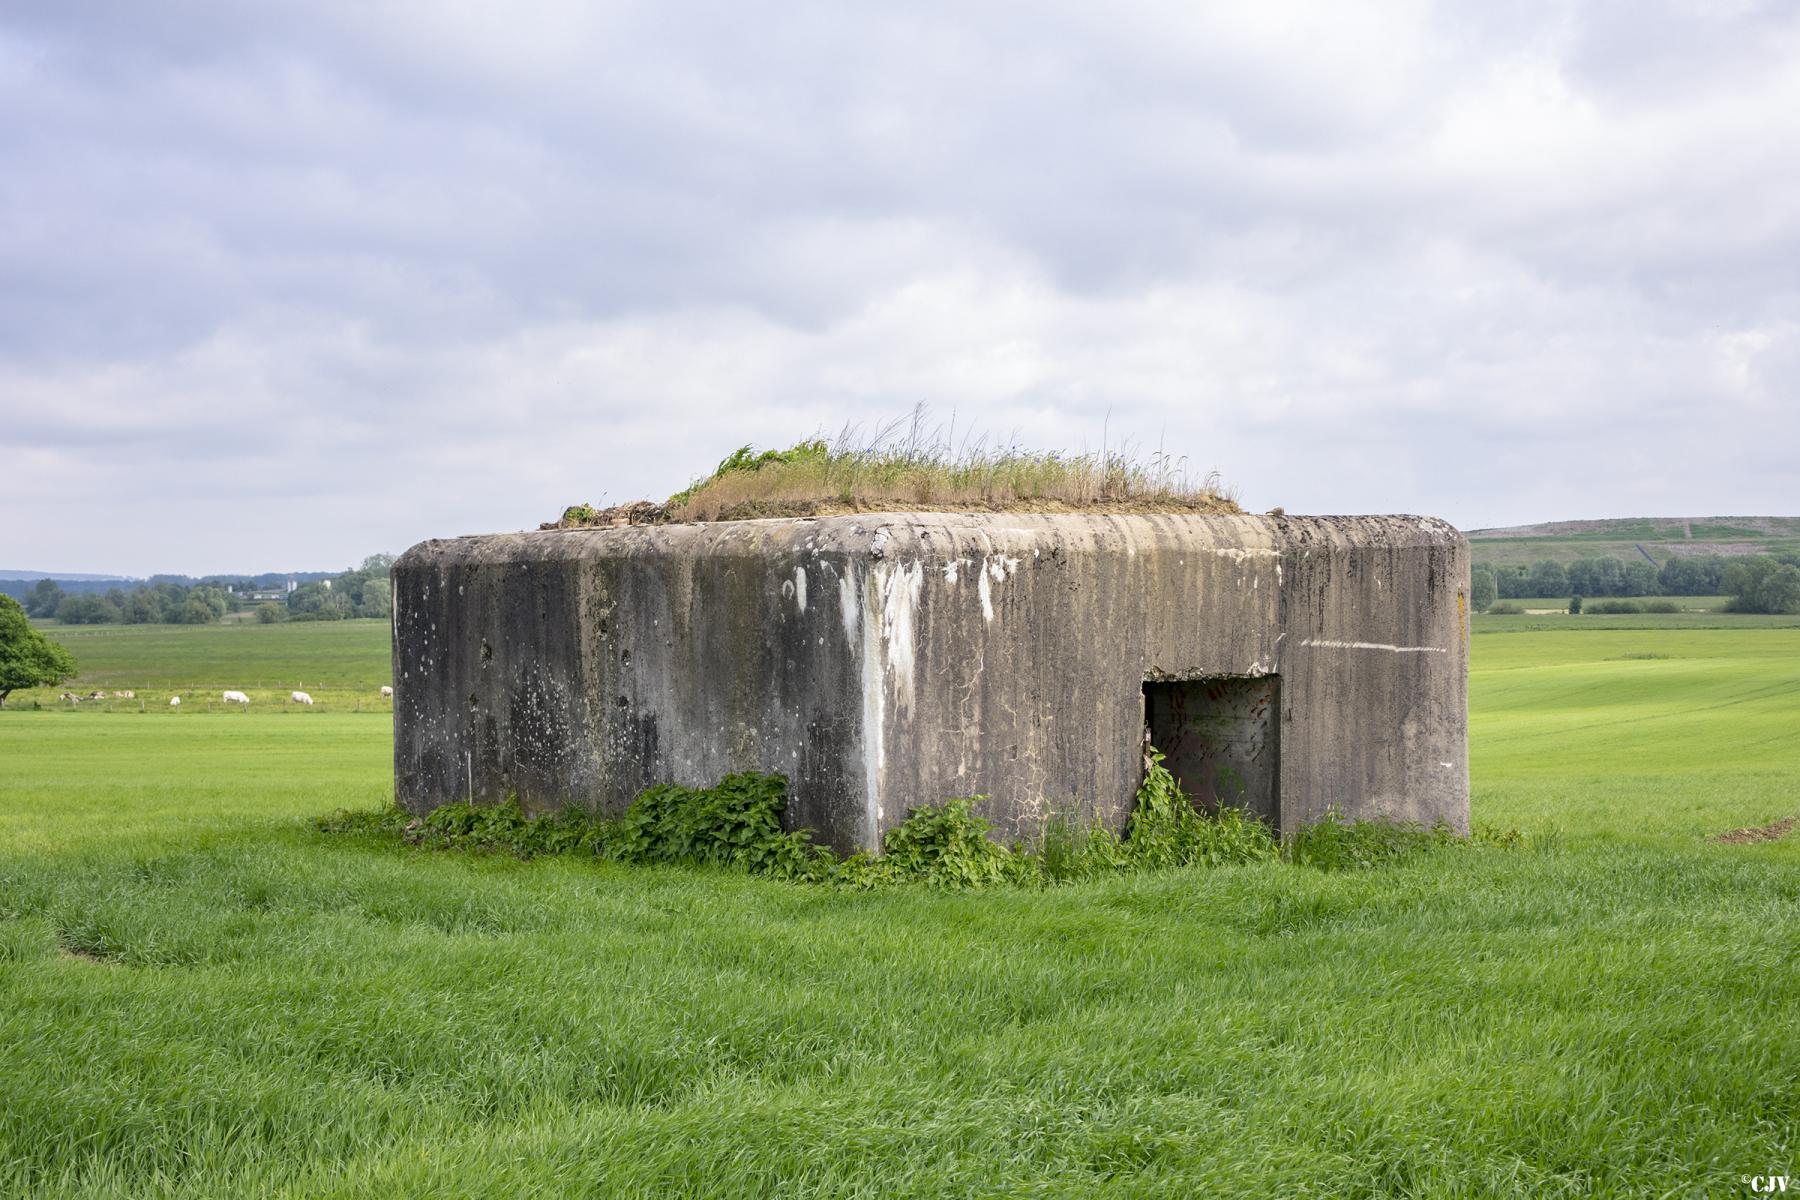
x,y
883,661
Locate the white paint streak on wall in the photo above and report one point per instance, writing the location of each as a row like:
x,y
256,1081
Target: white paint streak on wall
x,y
899,604
1327,644
800,587
994,569
1240,553
852,615
950,569
873,704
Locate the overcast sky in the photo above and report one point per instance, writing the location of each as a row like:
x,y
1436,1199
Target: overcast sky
x,y
283,285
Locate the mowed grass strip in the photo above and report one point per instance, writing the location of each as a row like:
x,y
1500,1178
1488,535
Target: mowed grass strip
x,y
120,783
201,996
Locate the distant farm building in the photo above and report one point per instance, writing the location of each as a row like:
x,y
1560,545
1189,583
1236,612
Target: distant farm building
x,y
278,592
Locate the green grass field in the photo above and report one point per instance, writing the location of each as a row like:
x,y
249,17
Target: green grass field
x,y
1565,550
342,665
1660,537
200,995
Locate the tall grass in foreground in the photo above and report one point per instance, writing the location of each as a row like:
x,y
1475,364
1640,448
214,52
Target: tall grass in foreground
x,y
913,465
200,996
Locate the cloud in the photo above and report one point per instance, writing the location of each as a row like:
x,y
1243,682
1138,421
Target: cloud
x,y
314,281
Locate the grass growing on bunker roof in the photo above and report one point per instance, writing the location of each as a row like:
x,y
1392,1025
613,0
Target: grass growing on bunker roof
x,y
911,465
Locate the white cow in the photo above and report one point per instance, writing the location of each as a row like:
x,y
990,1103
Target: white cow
x,y
236,698
174,701
387,693
300,698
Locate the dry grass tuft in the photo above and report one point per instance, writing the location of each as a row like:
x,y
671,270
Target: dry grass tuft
x,y
908,466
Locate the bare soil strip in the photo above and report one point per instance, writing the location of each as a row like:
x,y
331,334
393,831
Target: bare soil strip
x,y
1772,832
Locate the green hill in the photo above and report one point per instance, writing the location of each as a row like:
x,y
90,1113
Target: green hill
x,y
1654,538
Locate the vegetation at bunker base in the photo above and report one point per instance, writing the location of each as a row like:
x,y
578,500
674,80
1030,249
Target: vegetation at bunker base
x,y
737,824
200,995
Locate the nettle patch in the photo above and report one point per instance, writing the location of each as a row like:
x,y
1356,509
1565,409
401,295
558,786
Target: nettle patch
x,y
736,825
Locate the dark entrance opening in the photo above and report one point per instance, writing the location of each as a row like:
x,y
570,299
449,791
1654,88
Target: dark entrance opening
x,y
1221,737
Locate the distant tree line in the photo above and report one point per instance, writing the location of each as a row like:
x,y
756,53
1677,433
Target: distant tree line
x,y
145,604
21,589
1759,583
359,592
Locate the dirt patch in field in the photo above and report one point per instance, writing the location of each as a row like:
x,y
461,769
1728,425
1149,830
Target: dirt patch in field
x,y
1774,831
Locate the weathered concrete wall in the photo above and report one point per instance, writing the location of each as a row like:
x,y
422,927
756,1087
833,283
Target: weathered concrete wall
x,y
884,661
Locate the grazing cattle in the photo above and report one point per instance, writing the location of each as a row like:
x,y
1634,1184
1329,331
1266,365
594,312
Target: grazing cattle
x,y
174,701
236,698
127,694
387,693
71,697
301,698
96,695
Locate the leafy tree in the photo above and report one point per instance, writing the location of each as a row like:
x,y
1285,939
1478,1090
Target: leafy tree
x,y
1640,579
1692,575
42,600
1763,585
359,592
1549,579
87,609
1598,576
27,657
307,599
377,599
319,600
1513,581
193,611
1575,605
1483,591
268,612
215,600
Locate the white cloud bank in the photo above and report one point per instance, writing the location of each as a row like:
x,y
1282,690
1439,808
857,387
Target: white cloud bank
x,y
279,290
